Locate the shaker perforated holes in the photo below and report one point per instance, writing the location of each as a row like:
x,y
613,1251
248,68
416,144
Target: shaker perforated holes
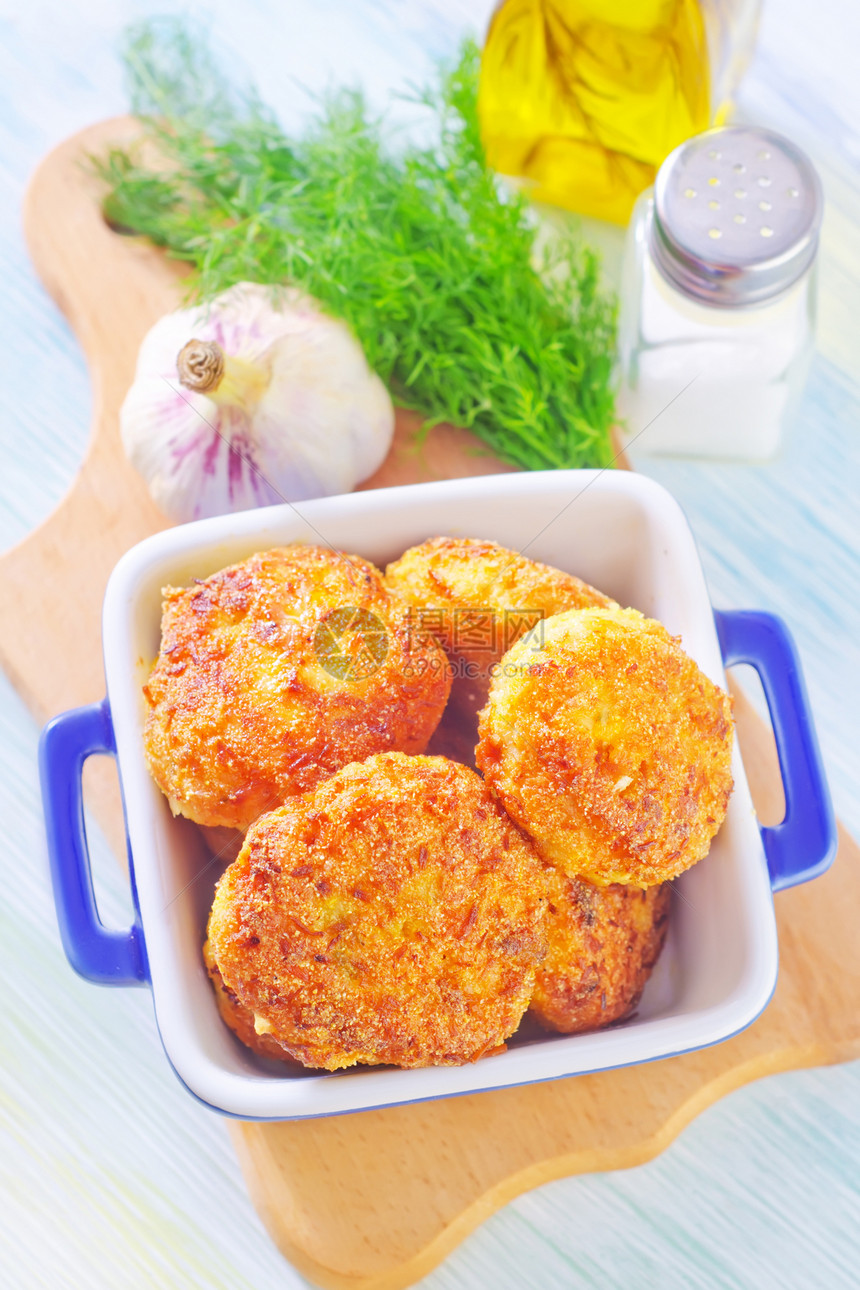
x,y
746,189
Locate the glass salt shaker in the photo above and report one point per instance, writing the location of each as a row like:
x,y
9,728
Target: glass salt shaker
x,y
718,297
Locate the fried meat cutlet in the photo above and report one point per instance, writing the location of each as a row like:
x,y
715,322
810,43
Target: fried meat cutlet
x,y
479,598
239,1018
393,915
609,747
274,673
602,944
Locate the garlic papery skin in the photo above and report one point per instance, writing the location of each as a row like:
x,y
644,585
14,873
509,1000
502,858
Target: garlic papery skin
x,y
256,398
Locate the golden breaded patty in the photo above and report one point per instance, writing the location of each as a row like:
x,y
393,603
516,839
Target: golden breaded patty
x,y
609,747
479,598
276,672
602,944
239,1018
393,915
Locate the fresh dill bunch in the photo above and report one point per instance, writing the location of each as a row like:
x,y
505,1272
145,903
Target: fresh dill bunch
x,y
431,263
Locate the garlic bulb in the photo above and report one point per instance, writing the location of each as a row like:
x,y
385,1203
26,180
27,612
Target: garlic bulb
x,y
254,399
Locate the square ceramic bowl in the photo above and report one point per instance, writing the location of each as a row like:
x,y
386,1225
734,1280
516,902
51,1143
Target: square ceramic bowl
x,y
619,531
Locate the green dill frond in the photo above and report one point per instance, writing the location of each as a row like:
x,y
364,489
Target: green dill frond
x,y
430,262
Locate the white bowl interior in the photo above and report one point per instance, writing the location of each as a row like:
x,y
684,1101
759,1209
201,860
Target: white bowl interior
x,y
619,531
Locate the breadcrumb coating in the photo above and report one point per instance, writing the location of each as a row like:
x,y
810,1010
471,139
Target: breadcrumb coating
x,y
602,944
393,915
275,672
609,747
239,1018
479,598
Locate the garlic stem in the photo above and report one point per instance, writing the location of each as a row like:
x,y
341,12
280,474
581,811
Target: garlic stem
x,y
200,365
204,368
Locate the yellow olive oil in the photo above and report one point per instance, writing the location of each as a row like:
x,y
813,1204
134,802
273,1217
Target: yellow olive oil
x,y
584,98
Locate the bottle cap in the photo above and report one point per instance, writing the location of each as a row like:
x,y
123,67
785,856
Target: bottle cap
x,y
736,215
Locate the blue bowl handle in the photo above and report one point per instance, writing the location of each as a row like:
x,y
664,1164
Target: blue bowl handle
x,y
97,953
804,844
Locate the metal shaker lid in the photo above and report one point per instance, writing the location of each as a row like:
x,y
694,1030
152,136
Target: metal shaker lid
x,y
736,215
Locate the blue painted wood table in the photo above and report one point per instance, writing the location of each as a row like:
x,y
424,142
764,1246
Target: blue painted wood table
x,y
111,1176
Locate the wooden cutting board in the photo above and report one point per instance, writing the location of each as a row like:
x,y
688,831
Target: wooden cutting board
x,y
374,1201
